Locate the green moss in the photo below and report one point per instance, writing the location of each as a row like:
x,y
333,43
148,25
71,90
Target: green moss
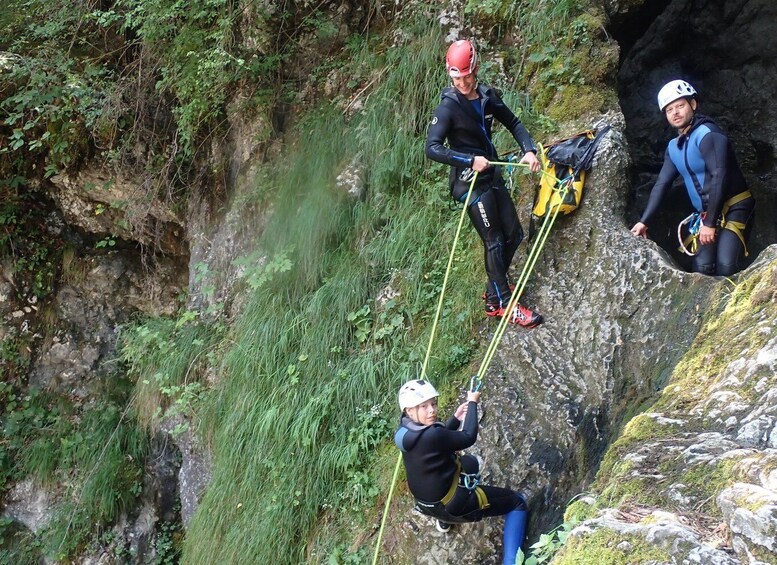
x,y
761,554
580,510
724,336
767,462
602,548
751,503
613,464
569,73
705,482
728,330
639,490
576,100
644,427
639,429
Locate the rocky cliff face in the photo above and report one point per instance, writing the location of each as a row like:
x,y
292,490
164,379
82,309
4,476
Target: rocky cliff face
x,y
648,388
677,426
620,321
694,474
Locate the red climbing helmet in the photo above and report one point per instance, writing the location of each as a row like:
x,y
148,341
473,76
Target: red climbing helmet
x,y
461,58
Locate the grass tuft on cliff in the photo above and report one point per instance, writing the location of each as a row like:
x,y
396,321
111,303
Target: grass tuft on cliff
x,y
307,389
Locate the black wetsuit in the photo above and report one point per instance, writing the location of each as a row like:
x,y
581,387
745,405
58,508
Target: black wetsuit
x,y
705,159
430,458
466,125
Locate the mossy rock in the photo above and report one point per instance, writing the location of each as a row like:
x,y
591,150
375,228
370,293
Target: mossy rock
x,y
606,547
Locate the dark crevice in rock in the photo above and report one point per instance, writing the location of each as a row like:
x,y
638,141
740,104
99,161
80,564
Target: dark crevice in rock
x,y
627,27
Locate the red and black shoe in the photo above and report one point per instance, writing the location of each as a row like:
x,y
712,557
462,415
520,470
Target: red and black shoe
x,y
520,315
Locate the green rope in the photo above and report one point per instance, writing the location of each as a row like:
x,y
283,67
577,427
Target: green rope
x,y
386,509
528,267
426,358
531,260
447,273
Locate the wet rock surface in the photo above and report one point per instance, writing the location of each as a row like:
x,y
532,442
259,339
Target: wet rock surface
x,y
80,347
704,453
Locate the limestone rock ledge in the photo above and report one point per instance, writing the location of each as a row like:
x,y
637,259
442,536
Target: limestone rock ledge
x,y
694,478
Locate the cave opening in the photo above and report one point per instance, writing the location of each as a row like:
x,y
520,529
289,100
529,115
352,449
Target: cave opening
x,y
726,50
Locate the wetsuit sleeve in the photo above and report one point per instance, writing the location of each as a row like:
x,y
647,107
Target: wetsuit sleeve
x,y
453,423
714,151
663,183
453,440
435,148
509,120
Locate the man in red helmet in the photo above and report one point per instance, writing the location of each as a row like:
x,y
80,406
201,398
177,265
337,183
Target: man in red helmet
x,y
464,118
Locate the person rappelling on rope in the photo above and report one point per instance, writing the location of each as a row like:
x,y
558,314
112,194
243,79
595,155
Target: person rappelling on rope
x,y
447,485
464,118
703,155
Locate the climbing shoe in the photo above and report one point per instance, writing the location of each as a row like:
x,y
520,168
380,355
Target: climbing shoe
x,y
441,526
520,315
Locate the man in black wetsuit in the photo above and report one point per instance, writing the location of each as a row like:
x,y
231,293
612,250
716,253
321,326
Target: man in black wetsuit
x,y
446,485
703,155
464,118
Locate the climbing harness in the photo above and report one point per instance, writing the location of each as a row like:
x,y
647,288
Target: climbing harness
x,y
690,244
437,509
454,485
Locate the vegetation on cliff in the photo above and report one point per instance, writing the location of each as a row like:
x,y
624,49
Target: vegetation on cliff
x,y
295,395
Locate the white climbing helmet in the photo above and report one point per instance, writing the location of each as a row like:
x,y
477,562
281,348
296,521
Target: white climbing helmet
x,y
416,392
672,91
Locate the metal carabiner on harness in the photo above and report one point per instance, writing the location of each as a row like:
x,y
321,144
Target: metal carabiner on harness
x,y
509,172
469,481
694,222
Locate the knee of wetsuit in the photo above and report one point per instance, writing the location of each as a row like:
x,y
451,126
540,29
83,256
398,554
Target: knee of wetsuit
x,y
705,269
495,244
727,269
469,464
518,236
